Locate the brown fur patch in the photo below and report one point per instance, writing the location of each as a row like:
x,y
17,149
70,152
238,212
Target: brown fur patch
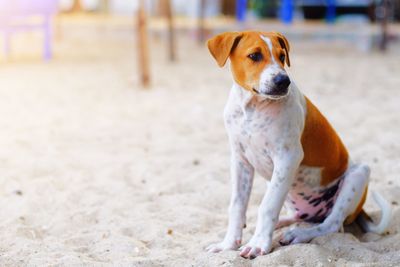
x,y
239,45
322,146
222,45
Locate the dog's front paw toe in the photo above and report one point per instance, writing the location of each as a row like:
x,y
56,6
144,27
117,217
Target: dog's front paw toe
x,y
224,245
252,252
255,248
214,248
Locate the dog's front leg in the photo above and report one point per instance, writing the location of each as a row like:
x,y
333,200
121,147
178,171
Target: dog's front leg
x,y
285,167
242,174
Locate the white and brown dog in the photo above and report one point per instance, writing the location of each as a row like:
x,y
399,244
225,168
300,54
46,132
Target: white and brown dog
x,y
276,131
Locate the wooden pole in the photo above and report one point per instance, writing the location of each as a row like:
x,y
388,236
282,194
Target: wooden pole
x,y
384,26
76,7
105,6
143,53
201,30
171,35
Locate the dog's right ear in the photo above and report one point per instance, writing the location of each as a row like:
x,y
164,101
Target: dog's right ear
x,y
222,45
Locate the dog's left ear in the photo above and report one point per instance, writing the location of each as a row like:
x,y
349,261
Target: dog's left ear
x,y
222,45
284,44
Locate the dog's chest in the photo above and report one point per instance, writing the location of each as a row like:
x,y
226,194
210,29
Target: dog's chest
x,y
249,131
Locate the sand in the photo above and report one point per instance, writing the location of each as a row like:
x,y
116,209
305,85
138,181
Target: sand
x,y
96,171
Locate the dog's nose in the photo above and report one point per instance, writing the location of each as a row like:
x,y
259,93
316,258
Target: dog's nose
x,y
281,82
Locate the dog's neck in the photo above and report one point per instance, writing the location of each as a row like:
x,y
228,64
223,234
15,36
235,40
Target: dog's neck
x,y
249,100
243,95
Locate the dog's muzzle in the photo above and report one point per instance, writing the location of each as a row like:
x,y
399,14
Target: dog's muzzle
x,y
280,86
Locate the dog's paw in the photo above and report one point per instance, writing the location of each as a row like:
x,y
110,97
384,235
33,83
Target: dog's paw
x,y
224,245
257,246
294,236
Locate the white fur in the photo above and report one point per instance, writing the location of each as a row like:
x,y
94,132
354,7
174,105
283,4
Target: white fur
x,y
270,71
269,44
264,137
386,215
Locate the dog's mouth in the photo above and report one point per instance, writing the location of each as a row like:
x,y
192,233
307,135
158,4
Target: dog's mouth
x,y
269,96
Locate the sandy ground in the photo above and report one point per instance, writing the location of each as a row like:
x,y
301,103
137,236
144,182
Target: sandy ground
x,y
96,171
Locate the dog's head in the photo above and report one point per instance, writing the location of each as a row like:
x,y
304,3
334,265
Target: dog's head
x,y
257,60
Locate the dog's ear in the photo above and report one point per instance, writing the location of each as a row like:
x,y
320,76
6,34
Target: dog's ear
x,y
284,44
222,45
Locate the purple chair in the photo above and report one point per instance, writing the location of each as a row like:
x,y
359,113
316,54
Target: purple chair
x,y
13,18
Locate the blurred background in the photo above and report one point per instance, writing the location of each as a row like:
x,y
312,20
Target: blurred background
x,y
112,145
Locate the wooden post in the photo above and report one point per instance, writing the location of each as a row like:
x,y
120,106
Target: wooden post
x,y
76,7
143,53
384,22
201,27
171,35
105,6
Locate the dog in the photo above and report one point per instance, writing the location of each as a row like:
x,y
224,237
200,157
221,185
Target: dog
x,y
276,131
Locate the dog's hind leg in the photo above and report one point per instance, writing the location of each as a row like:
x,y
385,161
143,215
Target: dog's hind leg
x,y
351,194
286,220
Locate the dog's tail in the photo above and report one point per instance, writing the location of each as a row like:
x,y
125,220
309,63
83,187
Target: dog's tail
x,y
386,214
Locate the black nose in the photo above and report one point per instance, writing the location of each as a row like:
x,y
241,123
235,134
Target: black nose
x,y
281,82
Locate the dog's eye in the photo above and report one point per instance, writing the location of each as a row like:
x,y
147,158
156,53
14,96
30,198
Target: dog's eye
x,y
256,57
282,58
